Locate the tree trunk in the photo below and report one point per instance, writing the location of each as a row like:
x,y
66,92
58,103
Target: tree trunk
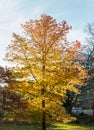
x,y
43,116
43,100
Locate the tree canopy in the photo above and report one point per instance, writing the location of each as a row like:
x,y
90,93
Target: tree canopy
x,y
46,66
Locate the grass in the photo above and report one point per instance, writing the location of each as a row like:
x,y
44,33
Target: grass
x,y
72,127
51,127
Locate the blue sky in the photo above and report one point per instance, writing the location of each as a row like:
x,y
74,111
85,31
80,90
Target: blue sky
x,y
77,13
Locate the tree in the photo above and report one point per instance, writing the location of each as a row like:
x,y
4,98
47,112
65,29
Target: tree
x,y
13,105
9,100
5,78
70,101
86,98
5,75
89,52
45,67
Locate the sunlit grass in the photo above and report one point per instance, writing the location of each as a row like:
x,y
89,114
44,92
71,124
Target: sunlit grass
x,y
72,127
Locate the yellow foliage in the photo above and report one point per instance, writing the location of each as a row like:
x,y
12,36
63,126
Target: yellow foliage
x,y
45,65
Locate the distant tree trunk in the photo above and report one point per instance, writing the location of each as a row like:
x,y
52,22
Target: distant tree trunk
x,y
93,110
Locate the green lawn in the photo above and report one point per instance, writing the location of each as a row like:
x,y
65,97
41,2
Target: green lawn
x,y
52,127
72,127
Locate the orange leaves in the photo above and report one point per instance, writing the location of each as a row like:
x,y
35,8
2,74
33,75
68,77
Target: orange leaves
x,y
78,44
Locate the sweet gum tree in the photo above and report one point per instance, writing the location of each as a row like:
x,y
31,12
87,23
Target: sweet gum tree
x,y
46,67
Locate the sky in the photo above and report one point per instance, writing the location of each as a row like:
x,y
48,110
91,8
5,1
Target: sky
x,y
13,13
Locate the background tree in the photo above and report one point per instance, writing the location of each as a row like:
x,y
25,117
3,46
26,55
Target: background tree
x,y
87,94
14,106
5,78
45,67
71,101
87,63
89,52
5,75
